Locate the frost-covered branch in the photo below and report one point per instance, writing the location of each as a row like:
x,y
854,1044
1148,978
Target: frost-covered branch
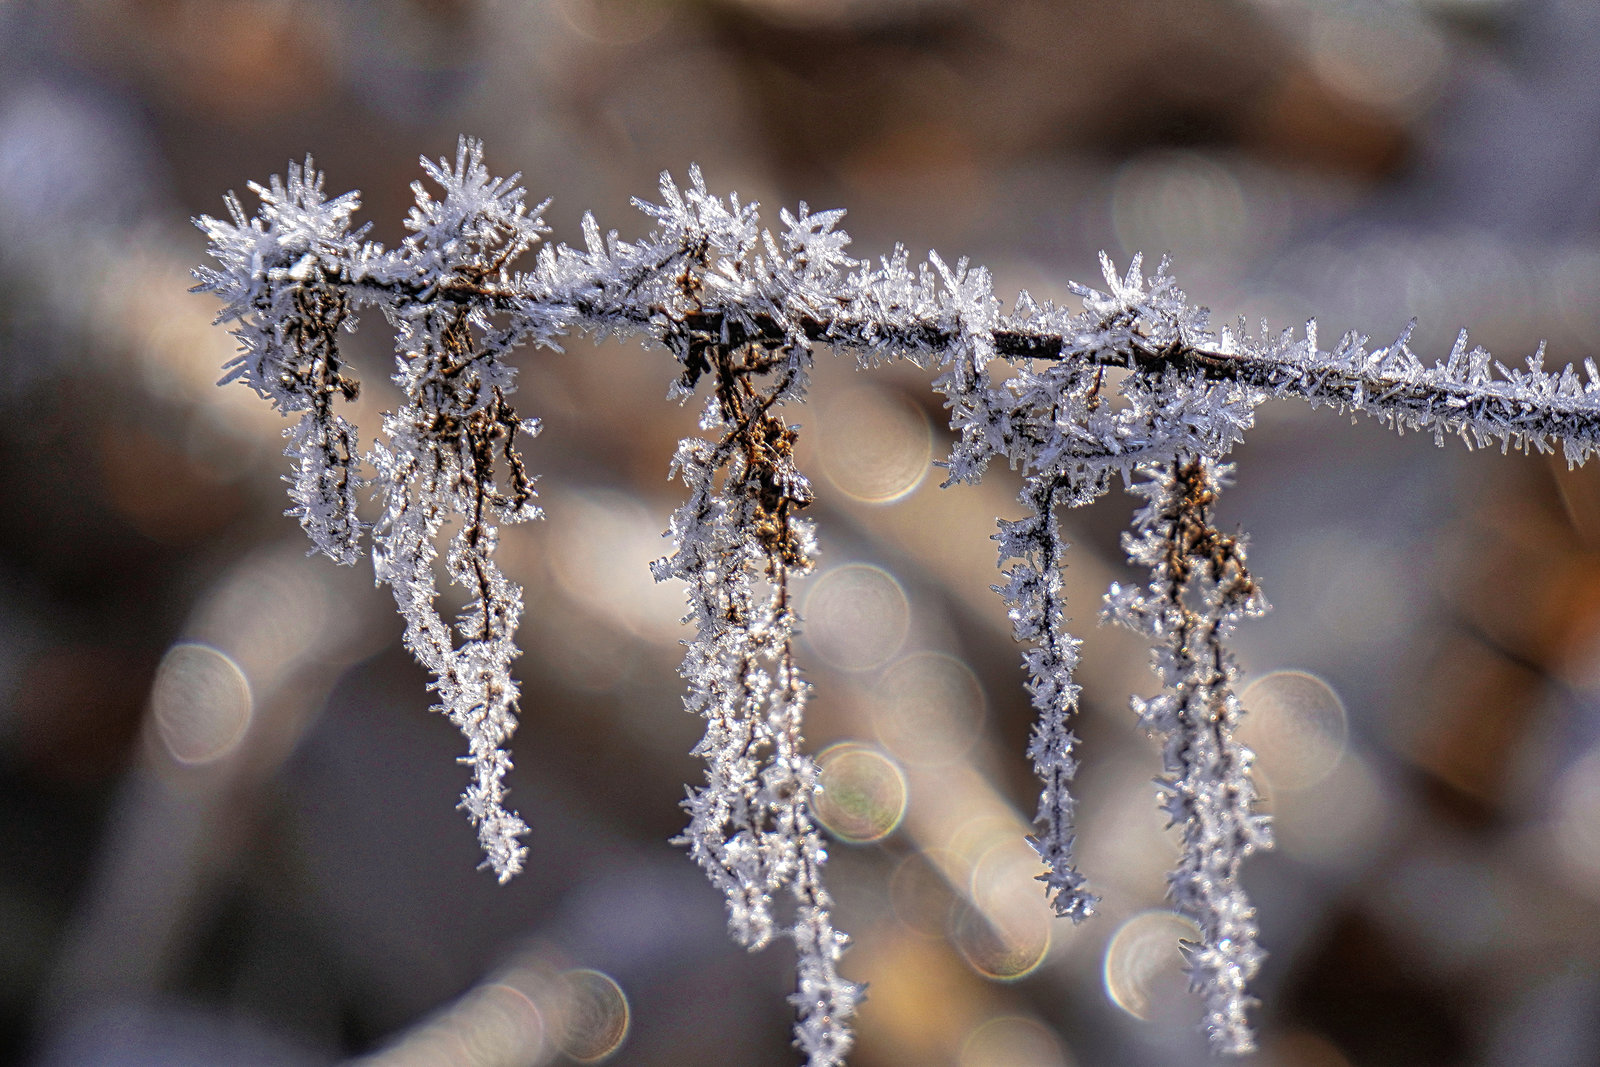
x,y
894,311
742,309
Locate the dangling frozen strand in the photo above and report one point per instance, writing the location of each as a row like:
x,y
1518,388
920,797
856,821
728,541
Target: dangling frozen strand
x,y
1035,598
1199,590
738,542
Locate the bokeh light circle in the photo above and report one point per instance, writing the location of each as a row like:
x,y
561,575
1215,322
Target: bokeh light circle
x,y
1005,875
861,794
595,1016
200,703
1297,726
499,1025
1003,944
856,617
1179,201
1012,1041
1397,62
1144,973
928,709
876,446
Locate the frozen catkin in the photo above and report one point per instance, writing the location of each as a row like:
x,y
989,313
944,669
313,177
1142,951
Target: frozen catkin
x,y
1134,384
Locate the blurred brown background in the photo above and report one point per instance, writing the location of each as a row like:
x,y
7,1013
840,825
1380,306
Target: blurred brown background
x,y
284,881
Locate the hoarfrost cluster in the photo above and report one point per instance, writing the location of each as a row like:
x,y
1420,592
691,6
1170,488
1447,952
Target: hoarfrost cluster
x,y
743,310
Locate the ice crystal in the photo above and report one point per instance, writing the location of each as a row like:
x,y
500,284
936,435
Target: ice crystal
x,y
742,310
